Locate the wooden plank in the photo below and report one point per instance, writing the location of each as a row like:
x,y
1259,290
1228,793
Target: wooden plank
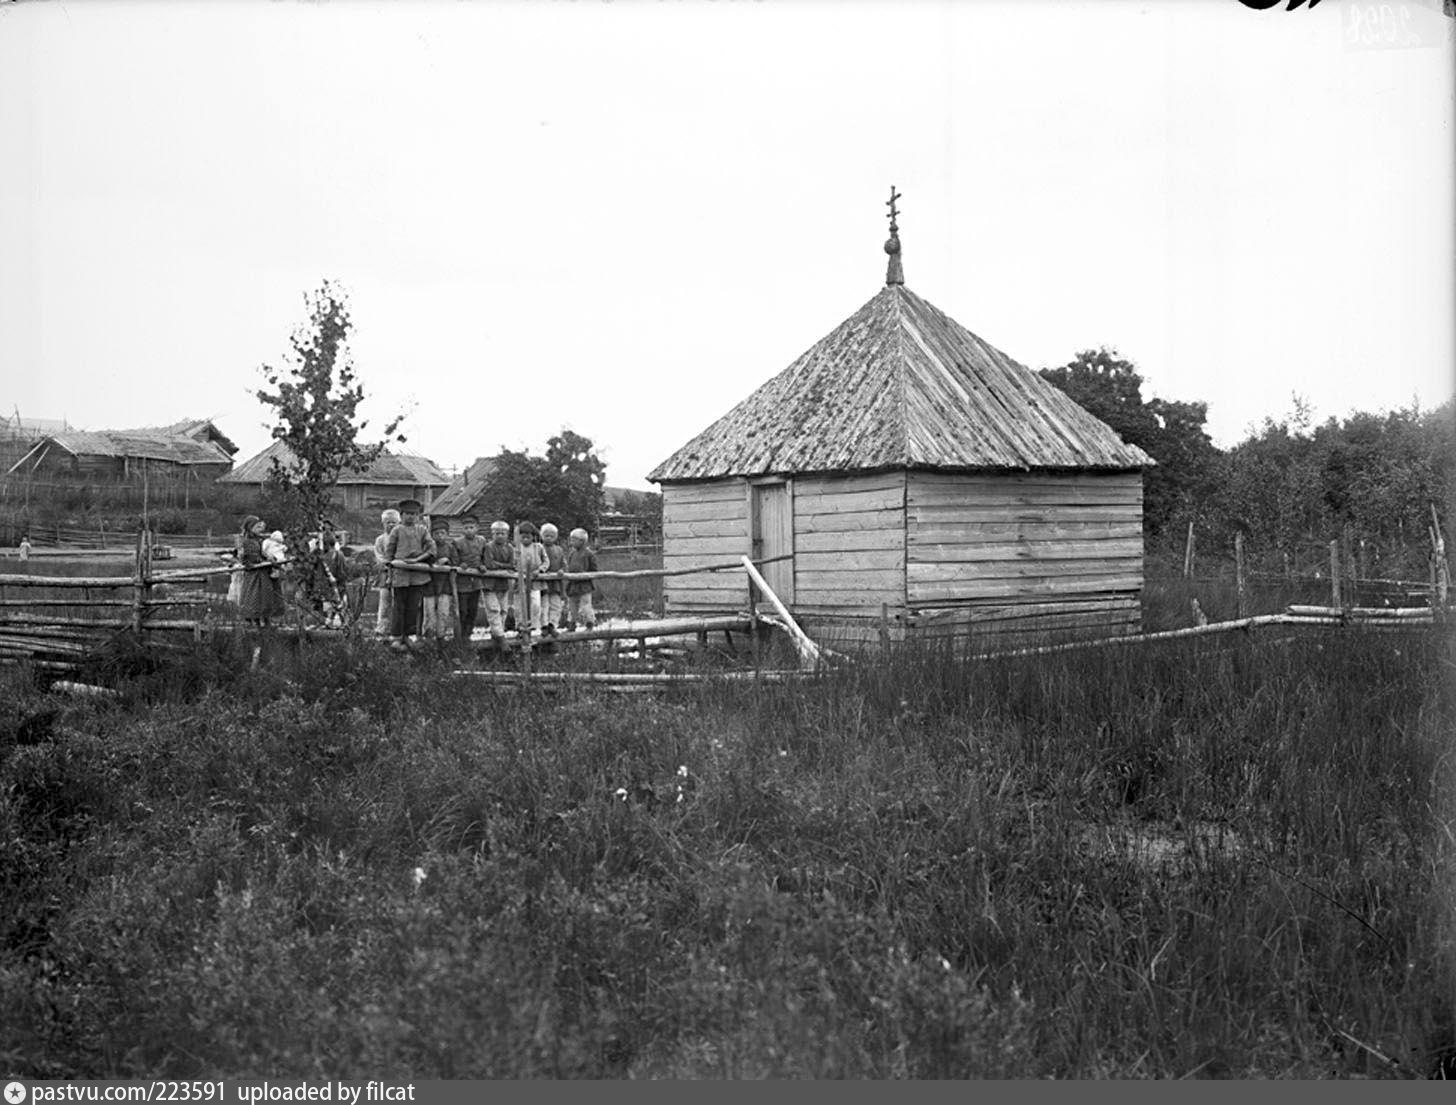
x,y
978,533
815,563
851,520
1012,588
1027,551
936,480
849,579
806,502
1065,512
1095,601
707,527
1021,499
703,550
703,512
1039,612
713,491
838,485
1014,569
848,541
707,585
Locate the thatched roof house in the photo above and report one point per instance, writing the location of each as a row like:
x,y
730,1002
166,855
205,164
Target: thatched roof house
x,y
920,481
392,476
192,449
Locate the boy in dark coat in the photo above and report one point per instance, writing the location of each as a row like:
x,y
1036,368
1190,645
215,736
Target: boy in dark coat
x,y
469,555
408,543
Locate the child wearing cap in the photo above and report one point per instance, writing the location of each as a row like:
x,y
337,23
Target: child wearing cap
x,y
580,557
498,556
553,593
408,543
469,555
439,610
384,620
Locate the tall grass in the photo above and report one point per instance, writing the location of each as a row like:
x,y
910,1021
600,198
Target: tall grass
x,y
1191,859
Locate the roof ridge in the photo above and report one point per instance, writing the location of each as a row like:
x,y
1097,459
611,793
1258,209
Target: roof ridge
x,y
901,362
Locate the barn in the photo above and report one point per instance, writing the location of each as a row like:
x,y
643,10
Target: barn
x,y
392,476
919,481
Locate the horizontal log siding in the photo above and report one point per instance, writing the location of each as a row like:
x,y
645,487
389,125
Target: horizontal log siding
x,y
1044,554
704,523
849,551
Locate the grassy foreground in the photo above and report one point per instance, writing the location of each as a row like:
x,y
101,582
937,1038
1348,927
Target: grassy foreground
x,y
1193,859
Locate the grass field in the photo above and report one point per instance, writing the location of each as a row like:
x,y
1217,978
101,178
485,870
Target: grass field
x,y
1202,859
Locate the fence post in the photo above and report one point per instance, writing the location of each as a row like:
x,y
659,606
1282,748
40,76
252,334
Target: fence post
x,y
1441,579
139,584
1239,575
1335,576
1347,561
523,586
1188,554
884,627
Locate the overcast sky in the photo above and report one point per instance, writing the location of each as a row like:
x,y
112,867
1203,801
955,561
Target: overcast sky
x,y
623,216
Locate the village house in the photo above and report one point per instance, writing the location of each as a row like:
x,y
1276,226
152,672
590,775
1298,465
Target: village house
x,y
192,449
907,479
464,493
392,477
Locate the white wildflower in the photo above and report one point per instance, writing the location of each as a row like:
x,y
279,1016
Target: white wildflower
x,y
621,792
418,875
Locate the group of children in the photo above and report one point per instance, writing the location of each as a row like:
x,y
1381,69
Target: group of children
x,y
415,602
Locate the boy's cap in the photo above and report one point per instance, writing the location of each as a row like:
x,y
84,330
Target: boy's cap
x,y
469,519
411,506
440,526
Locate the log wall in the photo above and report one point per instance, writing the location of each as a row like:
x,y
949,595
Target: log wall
x,y
704,523
1024,554
849,554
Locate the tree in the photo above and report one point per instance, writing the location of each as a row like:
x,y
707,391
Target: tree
x,y
565,486
315,397
1189,466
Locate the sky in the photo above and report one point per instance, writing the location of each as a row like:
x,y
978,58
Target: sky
x,y
622,216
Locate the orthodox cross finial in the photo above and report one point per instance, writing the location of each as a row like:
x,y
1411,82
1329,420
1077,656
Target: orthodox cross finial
x,y
894,272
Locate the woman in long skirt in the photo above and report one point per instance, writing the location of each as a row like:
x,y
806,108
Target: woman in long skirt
x,y
260,599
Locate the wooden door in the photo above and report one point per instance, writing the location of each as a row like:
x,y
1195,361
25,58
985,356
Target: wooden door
x,y
773,535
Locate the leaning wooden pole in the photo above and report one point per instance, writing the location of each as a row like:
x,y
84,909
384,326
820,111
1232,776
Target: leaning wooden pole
x,y
1335,574
1188,554
808,650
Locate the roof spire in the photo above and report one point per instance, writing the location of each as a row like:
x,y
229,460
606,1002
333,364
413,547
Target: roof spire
x,y
894,273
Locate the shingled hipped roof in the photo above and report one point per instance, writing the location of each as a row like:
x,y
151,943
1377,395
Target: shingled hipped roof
x,y
900,384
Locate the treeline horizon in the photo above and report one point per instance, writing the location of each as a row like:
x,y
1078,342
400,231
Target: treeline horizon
x,y
1290,486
